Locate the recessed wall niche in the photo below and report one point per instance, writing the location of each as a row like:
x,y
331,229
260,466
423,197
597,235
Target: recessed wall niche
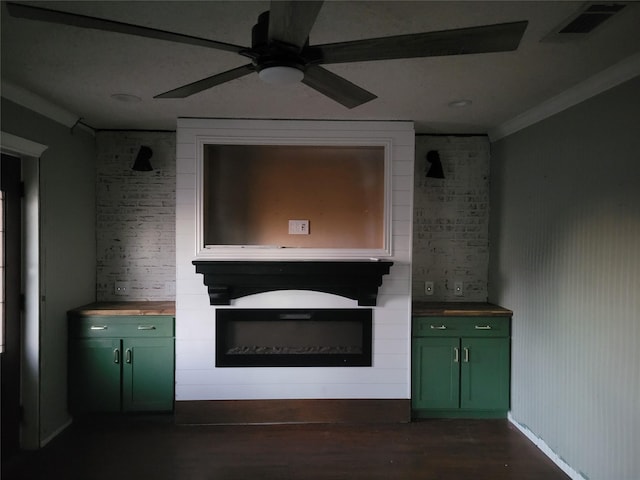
x,y
251,192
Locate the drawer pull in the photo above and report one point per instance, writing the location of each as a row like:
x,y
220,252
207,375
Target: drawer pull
x,y
438,327
466,355
127,357
146,327
483,327
116,355
456,356
98,327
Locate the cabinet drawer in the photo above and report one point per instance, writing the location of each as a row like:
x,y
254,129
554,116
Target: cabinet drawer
x,y
121,326
461,326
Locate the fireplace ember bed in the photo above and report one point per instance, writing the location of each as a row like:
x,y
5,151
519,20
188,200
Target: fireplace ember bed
x,y
293,337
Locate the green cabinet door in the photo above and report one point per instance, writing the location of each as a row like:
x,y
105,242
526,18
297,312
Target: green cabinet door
x,y
147,374
95,374
436,373
484,374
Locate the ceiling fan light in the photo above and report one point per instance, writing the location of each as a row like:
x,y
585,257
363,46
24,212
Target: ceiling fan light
x,y
281,75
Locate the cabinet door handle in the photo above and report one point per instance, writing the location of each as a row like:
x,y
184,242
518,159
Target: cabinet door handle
x,y
483,327
146,327
98,327
116,355
127,357
438,327
466,354
456,354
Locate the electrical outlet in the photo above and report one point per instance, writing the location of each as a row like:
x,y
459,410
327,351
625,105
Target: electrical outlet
x,y
298,227
428,288
458,290
121,288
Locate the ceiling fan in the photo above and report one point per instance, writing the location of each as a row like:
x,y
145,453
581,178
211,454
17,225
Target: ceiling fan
x,y
280,50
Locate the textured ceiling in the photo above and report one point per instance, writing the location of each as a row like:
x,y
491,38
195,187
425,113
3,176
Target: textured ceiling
x,y
80,69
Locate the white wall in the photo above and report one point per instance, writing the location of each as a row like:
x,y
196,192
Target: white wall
x,y
135,216
196,375
451,219
565,257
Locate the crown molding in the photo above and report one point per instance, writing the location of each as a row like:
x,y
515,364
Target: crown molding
x,y
13,144
35,103
605,80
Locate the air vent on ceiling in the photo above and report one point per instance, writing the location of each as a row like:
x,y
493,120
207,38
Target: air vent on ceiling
x,y
585,21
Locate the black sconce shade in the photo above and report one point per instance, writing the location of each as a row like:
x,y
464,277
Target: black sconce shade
x,y
435,171
142,163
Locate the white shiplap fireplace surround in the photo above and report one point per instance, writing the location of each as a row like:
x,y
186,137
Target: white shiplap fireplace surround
x,y
206,394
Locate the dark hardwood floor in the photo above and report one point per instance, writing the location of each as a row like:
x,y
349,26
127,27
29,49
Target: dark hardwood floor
x,y
152,447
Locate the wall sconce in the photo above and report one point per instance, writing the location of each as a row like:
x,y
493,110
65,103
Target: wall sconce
x,y
142,163
435,171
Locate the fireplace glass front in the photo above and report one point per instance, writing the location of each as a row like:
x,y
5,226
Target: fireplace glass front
x,y
293,337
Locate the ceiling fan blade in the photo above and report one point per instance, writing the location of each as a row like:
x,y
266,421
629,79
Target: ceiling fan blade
x,y
501,37
336,87
290,22
83,21
205,83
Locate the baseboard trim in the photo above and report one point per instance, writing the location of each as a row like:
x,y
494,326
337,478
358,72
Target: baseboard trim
x,y
56,432
248,412
542,445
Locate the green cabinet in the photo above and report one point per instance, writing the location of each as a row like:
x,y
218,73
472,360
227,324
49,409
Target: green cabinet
x,y
121,363
460,367
94,374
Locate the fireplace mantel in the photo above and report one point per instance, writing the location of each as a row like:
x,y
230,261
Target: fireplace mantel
x,y
230,279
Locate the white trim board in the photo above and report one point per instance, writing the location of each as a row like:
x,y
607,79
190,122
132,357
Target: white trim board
x,y
35,103
21,146
55,433
542,445
605,80
397,138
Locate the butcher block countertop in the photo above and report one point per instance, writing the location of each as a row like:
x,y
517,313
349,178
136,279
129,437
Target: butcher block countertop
x,y
458,309
125,308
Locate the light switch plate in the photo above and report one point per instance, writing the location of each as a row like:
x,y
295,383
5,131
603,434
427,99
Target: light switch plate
x,y
298,227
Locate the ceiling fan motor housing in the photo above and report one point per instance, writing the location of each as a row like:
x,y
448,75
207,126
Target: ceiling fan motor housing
x,y
269,55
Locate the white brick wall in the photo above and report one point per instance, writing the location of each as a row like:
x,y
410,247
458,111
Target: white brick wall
x,y
136,217
450,219
136,213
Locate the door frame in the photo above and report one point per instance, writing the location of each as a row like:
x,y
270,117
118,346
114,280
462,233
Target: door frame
x,y
29,152
11,178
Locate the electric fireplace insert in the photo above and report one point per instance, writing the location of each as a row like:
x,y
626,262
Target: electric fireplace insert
x,y
293,337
